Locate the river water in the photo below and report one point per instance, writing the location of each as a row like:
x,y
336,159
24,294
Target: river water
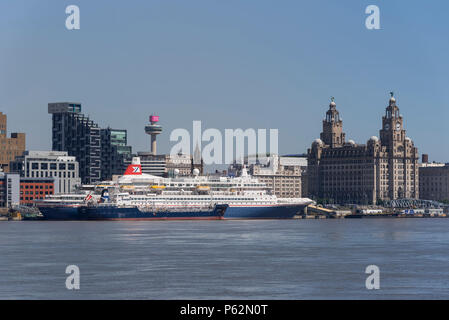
x,y
270,259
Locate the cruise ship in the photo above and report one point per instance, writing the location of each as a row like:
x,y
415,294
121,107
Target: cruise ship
x,y
137,195
124,206
245,196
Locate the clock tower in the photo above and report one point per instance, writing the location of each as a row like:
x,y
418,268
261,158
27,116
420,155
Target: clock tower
x,y
392,134
346,172
398,177
333,134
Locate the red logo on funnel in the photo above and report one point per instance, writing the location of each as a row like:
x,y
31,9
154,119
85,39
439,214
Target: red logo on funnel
x,y
133,169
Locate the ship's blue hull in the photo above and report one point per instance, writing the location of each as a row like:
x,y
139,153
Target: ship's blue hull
x,y
133,213
263,212
60,213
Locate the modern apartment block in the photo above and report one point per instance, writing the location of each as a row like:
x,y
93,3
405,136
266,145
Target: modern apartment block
x,y
341,171
100,152
75,133
49,164
114,152
434,181
9,147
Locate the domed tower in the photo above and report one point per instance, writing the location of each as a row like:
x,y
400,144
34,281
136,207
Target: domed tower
x,y
153,129
333,134
392,133
400,154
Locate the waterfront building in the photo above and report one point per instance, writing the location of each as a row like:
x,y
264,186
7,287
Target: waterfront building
x,y
182,164
16,190
434,181
100,152
75,133
9,189
300,160
49,164
341,171
9,147
281,174
35,188
114,152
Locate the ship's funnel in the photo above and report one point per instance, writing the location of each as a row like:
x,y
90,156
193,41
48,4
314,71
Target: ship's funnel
x,y
134,168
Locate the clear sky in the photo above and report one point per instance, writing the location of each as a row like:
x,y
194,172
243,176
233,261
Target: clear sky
x,y
230,64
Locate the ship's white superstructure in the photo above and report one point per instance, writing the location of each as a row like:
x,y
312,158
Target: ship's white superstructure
x,y
70,199
243,194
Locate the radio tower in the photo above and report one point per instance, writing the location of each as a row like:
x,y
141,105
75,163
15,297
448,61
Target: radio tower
x,y
153,129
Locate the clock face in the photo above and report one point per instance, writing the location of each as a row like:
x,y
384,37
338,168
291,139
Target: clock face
x,y
387,127
398,126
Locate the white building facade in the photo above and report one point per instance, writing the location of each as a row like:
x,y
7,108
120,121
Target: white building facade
x,y
50,164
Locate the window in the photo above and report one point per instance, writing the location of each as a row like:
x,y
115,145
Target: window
x,y
62,166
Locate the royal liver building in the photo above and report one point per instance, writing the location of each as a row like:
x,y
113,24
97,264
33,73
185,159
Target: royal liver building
x,y
346,172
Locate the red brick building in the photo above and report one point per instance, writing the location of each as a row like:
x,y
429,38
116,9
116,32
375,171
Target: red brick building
x,y
35,188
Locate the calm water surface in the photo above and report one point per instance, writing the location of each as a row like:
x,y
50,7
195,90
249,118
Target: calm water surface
x,y
295,259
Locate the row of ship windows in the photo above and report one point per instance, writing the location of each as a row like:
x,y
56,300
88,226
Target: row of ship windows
x,y
194,199
217,185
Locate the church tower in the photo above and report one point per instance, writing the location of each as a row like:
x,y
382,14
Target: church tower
x,y
333,134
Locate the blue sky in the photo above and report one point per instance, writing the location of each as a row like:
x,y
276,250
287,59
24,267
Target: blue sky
x,y
230,64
